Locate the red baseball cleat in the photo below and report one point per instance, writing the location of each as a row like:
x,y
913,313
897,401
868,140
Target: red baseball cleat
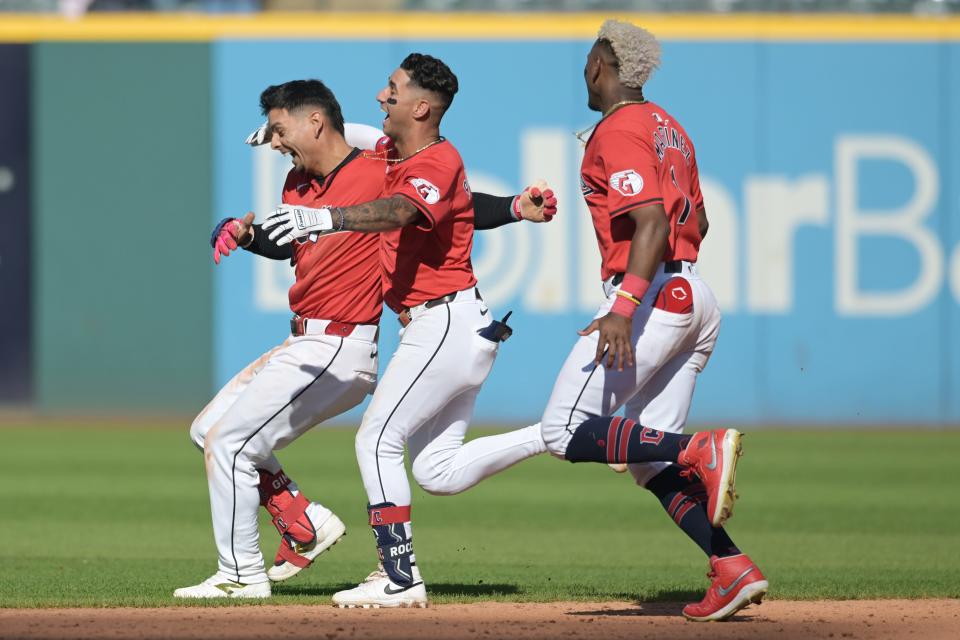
x,y
713,455
735,582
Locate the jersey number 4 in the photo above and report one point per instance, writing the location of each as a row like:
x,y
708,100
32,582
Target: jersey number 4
x,y
687,206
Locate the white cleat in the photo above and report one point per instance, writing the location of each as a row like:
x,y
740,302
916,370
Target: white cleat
x,y
217,586
378,590
328,534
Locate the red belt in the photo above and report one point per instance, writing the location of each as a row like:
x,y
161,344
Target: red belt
x,y
298,327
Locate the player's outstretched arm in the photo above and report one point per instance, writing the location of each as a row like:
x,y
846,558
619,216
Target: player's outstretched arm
x,y
229,234
357,135
615,343
537,203
491,212
289,222
263,246
233,233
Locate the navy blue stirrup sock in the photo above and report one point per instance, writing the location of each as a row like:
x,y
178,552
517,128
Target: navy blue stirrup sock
x,y
613,439
685,502
394,541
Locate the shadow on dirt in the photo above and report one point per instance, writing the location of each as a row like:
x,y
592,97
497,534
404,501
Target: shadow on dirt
x,y
659,603
435,588
655,609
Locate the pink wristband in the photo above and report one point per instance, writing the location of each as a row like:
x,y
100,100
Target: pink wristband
x,y
635,286
515,205
623,307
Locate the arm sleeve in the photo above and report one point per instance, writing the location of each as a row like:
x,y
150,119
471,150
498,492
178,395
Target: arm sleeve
x,y
262,245
630,165
490,212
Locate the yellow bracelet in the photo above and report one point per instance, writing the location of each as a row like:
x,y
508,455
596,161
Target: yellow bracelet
x,y
629,297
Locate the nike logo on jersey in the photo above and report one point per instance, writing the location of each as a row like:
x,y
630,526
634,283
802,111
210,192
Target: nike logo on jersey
x,y
723,591
713,454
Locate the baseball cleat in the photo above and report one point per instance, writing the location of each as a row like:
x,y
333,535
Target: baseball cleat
x,y
712,456
735,582
378,590
216,586
294,556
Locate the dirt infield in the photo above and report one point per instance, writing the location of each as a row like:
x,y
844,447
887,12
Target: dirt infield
x,y
861,619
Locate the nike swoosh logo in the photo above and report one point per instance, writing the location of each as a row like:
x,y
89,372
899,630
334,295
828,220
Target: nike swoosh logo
x,y
723,592
229,587
392,592
713,452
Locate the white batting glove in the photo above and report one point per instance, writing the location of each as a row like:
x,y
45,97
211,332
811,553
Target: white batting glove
x,y
259,136
356,135
291,222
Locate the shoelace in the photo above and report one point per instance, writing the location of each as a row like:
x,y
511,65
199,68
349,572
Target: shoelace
x,y
376,575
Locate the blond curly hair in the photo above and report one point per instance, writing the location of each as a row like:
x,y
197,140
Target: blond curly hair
x,y
636,49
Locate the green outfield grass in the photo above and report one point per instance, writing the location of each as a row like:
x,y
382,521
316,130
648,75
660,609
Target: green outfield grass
x,y
119,516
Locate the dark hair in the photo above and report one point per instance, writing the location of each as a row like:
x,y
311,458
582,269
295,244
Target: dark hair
x,y
433,75
607,46
301,93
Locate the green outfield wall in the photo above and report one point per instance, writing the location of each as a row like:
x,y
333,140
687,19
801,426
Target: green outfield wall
x,y
121,166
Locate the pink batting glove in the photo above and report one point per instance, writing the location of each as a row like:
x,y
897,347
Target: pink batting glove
x,y
225,242
549,202
541,196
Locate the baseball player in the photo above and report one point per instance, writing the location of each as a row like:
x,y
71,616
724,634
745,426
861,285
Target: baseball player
x,y
656,330
328,364
426,396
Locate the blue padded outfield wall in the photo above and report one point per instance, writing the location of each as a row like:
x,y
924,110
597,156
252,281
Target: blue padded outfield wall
x,y
830,172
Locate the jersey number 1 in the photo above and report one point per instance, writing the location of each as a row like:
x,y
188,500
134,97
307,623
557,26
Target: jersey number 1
x,y
687,207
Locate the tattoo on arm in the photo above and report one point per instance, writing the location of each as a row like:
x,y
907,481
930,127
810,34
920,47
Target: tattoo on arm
x,y
380,215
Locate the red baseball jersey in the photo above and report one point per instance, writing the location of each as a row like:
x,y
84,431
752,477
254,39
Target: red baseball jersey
x,y
639,156
430,259
338,274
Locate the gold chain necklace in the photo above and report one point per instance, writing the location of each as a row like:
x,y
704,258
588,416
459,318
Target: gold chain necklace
x,y
426,146
614,107
620,104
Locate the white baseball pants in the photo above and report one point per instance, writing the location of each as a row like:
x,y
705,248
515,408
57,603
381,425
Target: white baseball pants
x,y
265,407
671,350
425,399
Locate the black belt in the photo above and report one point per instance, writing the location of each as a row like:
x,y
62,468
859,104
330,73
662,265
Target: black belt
x,y
670,266
404,314
450,297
